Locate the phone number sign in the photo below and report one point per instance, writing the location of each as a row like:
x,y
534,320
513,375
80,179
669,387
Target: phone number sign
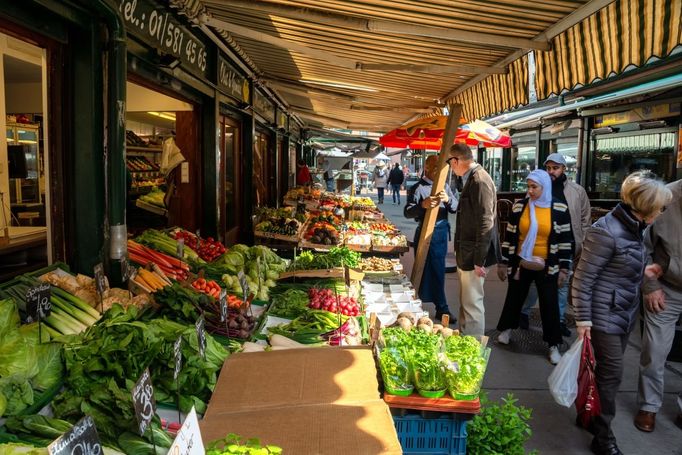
x,y
158,27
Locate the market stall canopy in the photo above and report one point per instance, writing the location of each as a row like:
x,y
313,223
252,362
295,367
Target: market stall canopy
x,y
382,157
428,135
373,65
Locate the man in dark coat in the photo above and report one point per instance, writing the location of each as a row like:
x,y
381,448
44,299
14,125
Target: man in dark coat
x,y
395,179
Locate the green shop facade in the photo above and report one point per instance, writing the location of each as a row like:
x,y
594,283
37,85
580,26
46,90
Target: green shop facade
x,y
99,96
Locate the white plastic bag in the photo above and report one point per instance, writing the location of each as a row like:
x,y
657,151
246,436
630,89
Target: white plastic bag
x,y
563,382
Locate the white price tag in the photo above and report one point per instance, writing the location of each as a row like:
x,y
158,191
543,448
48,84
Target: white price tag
x,y
188,441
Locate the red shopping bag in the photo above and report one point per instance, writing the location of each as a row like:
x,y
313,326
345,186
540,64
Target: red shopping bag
x,y
587,402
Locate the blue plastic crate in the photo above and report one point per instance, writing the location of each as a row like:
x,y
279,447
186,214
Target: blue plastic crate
x,y
443,435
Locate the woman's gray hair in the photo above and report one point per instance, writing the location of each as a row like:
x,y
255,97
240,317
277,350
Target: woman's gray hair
x,y
644,193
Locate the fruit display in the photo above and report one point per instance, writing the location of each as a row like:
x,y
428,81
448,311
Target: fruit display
x,y
376,264
362,203
389,240
331,201
326,299
322,233
155,197
208,249
382,228
298,192
140,164
281,221
357,234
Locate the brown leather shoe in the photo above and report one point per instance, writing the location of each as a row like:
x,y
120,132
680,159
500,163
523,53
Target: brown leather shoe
x,y
645,421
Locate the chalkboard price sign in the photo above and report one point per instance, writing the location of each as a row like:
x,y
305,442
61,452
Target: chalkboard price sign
x,y
201,336
100,279
81,439
143,401
244,284
223,305
38,302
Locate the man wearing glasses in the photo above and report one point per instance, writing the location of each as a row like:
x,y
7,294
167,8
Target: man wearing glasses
x,y
578,203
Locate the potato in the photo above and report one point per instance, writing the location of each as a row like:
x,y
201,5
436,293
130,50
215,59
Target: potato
x,y
425,327
446,332
425,320
437,328
408,315
404,323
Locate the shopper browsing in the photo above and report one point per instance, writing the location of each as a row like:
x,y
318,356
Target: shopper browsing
x,y
419,199
380,180
303,176
605,290
662,291
538,249
328,175
476,238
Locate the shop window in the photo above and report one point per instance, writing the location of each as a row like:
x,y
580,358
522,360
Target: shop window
x,y
570,153
492,162
617,157
229,145
523,162
261,177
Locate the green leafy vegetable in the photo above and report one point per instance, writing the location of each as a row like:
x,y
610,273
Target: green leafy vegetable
x,y
232,444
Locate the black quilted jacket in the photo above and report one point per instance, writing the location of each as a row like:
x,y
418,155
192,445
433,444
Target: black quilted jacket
x,y
605,289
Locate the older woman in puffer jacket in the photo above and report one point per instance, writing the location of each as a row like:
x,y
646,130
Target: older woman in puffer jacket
x,y
605,290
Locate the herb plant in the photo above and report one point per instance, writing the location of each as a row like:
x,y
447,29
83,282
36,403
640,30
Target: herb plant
x,y
500,428
395,370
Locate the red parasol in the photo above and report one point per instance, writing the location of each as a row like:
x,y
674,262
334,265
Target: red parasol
x,y
428,134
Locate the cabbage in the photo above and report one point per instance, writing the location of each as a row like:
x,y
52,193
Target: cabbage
x,y
31,332
50,364
18,392
21,449
9,318
17,356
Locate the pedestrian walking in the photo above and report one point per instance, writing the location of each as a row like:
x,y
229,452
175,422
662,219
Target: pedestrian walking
x,y
380,180
662,289
419,199
575,196
395,179
476,237
538,249
605,290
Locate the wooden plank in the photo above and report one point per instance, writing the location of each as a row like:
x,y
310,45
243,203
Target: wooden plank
x,y
336,272
438,185
445,404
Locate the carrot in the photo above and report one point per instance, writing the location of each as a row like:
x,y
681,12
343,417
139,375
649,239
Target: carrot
x,y
138,280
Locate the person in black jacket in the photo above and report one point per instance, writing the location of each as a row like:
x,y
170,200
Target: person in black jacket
x,y
395,179
605,290
538,249
419,199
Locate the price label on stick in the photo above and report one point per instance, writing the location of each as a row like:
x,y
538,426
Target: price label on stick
x,y
201,336
81,439
244,284
128,271
100,279
223,305
177,354
38,302
188,441
198,244
143,401
180,249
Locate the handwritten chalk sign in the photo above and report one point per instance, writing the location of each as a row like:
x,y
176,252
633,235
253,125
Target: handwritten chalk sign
x,y
188,441
38,304
143,401
223,305
81,439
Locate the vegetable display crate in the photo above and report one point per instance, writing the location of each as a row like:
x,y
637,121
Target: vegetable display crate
x,y
336,272
390,249
284,238
444,404
446,434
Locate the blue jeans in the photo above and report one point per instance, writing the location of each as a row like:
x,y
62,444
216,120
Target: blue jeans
x,y
380,194
396,192
330,185
432,288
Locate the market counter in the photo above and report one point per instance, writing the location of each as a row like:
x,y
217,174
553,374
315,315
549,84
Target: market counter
x,y
307,401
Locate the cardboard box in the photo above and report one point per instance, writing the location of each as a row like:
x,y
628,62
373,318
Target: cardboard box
x,y
321,429
298,377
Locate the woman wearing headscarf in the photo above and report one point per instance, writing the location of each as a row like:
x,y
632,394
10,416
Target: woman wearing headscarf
x,y
538,248
605,290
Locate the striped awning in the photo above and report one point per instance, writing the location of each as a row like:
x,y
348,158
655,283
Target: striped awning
x,y
626,32
497,92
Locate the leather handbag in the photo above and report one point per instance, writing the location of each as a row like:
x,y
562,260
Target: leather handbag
x,y
587,402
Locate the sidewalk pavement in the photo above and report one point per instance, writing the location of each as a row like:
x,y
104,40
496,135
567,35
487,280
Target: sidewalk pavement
x,y
522,368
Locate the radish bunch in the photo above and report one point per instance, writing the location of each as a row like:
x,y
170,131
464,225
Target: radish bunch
x,y
325,299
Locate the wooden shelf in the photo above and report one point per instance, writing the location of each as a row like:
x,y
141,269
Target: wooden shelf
x,y
133,148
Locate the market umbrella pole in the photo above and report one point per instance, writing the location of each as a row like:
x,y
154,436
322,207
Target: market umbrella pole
x,y
439,183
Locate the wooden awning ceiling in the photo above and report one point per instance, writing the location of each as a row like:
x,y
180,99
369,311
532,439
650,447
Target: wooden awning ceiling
x,y
375,64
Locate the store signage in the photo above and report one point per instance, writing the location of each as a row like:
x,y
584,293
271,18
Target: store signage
x,y
637,115
201,336
230,81
38,303
143,401
188,441
263,106
158,27
81,439
177,354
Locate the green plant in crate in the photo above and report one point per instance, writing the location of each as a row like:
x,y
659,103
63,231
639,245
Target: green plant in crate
x,y
429,373
395,371
500,428
464,381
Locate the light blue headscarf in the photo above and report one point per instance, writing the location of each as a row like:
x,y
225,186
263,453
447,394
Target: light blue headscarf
x,y
543,179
